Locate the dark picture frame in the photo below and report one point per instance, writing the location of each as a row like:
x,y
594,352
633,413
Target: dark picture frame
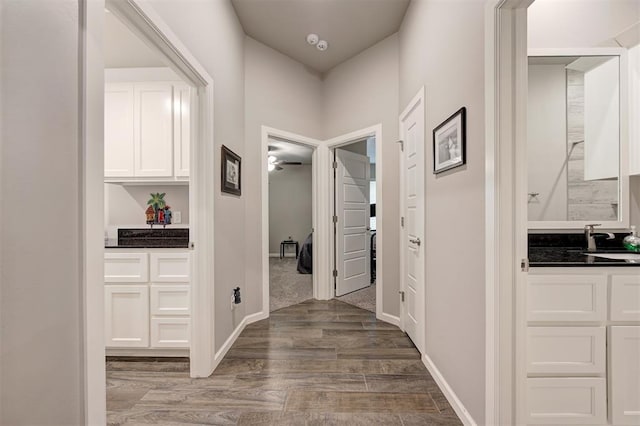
x,y
231,166
450,142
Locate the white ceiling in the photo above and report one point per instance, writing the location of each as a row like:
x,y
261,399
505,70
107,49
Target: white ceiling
x,y
122,49
287,151
350,26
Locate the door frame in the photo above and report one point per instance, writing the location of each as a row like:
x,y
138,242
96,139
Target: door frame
x,y
331,144
505,208
143,21
417,99
268,132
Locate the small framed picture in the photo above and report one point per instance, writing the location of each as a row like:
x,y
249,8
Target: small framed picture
x,y
231,172
450,142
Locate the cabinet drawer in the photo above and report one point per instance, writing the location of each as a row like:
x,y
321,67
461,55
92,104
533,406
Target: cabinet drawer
x,y
566,401
126,267
625,297
170,267
567,298
126,316
170,332
566,350
170,300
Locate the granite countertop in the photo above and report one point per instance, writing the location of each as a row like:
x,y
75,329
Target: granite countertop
x,y
129,238
569,250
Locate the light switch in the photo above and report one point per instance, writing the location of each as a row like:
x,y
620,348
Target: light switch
x,y
177,217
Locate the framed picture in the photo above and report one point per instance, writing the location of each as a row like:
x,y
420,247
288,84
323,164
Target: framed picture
x,y
231,172
450,142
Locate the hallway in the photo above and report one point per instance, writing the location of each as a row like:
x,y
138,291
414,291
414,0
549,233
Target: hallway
x,y
318,362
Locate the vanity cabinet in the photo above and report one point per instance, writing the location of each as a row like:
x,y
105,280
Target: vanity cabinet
x,y
582,346
147,131
147,300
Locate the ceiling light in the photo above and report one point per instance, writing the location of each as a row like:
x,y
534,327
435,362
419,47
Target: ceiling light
x,y
271,167
272,159
312,39
322,45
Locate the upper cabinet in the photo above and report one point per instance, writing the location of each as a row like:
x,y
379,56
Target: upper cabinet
x,y
147,130
634,85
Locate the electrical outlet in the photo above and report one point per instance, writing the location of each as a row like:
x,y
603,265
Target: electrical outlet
x,y
177,217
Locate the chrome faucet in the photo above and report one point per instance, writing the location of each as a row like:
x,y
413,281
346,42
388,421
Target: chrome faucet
x,y
591,235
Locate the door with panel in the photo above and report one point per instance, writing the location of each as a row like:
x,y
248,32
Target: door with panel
x,y
118,130
353,260
412,253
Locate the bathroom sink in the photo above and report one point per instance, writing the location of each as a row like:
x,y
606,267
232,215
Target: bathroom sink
x,y
616,256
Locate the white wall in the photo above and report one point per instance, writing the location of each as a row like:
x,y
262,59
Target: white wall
x,y
442,48
571,23
359,93
290,205
125,205
40,232
212,33
283,94
547,142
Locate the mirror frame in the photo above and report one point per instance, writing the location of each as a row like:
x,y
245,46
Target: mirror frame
x,y
623,177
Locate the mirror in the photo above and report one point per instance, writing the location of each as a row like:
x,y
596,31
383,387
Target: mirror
x,y
574,140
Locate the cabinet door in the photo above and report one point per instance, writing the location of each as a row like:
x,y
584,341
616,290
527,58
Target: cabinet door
x,y
170,300
127,316
181,129
126,267
625,375
153,129
118,130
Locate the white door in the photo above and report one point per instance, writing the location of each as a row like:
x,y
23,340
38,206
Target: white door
x,y
181,129
412,233
153,137
118,130
352,229
126,316
625,374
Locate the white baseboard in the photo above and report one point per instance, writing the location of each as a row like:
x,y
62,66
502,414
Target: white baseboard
x,y
453,399
391,319
234,336
285,255
147,352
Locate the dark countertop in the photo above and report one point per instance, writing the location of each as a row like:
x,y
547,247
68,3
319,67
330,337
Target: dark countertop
x,y
129,238
568,250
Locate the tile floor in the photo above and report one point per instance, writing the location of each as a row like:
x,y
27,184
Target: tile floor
x,y
314,363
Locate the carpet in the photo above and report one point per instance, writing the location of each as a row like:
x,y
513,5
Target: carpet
x,y
287,287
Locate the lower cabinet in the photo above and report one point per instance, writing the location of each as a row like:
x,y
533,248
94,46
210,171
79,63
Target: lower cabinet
x,y
127,316
625,374
150,314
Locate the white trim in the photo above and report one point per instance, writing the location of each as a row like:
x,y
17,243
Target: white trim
x,y
249,319
331,144
148,352
448,392
505,226
91,193
318,273
285,255
391,319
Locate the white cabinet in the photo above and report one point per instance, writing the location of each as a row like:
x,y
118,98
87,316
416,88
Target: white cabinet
x,y
150,306
118,130
634,111
153,129
127,316
147,131
625,375
582,339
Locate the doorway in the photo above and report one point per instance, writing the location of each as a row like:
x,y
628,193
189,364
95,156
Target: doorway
x,y
290,169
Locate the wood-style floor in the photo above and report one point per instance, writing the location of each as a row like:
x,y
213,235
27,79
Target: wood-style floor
x,y
315,363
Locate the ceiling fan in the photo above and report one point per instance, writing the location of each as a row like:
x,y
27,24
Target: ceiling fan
x,y
274,164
